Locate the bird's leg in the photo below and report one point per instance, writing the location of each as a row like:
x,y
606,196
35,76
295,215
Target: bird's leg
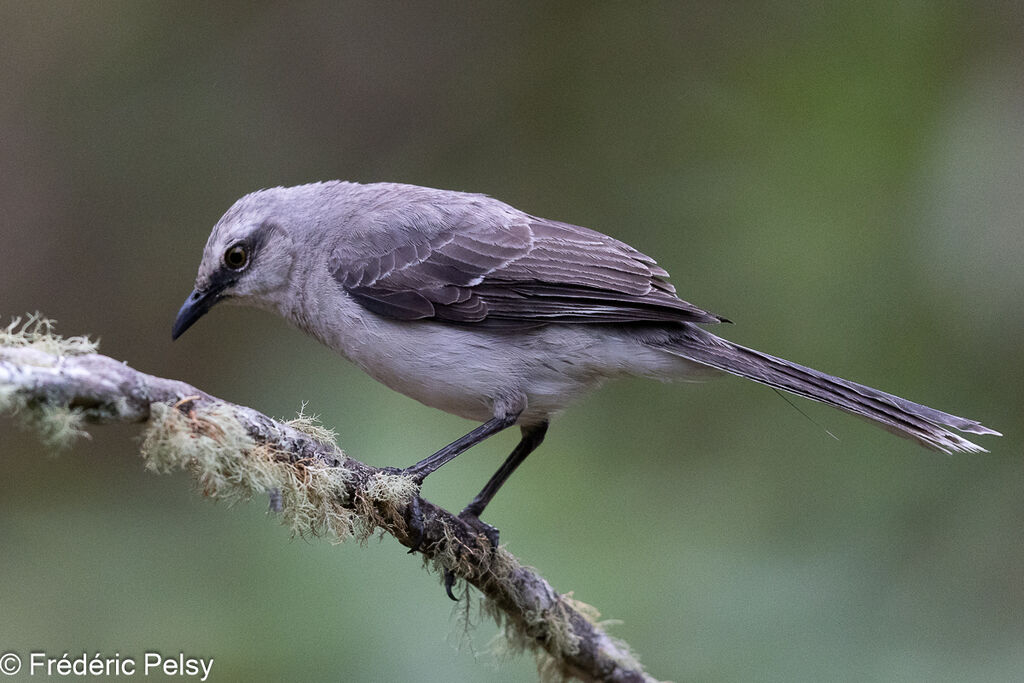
x,y
428,465
533,435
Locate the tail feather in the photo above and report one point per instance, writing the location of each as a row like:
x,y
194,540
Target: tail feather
x,y
927,426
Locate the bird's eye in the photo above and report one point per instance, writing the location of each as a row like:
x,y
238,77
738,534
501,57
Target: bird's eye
x,y
236,257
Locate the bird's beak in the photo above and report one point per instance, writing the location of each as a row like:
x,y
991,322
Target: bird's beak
x,y
195,306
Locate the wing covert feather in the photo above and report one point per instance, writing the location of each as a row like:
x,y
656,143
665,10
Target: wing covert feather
x,y
523,270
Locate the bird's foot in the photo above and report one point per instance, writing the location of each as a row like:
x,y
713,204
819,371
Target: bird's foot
x,y
481,527
491,533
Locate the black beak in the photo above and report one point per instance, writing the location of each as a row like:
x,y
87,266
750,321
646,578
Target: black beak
x,y
195,306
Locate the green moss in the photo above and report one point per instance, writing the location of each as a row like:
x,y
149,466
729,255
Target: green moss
x,y
311,502
211,444
10,401
311,425
548,634
37,332
58,426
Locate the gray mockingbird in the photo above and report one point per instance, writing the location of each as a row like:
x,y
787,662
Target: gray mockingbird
x,y
469,305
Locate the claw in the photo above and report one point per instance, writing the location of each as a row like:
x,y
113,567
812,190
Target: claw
x,y
449,581
491,533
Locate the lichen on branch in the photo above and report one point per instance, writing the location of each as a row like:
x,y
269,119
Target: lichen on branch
x,y
56,386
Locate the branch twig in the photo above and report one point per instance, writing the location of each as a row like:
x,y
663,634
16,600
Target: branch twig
x,y
58,385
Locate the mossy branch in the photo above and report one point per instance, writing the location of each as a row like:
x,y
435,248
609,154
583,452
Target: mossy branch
x,y
57,386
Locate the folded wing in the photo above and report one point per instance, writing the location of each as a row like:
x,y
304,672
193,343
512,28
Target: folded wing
x,y
520,272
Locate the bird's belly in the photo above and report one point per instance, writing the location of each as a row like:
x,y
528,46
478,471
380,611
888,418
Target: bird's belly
x,y
473,373
476,372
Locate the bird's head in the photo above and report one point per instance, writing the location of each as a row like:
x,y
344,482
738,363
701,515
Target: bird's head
x,y
248,259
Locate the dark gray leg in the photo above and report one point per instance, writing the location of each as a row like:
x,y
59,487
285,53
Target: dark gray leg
x,y
428,465
533,435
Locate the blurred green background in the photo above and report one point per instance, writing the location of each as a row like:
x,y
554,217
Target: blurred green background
x,y
843,182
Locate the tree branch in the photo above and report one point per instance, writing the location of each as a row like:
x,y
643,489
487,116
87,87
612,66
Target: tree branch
x,y
58,385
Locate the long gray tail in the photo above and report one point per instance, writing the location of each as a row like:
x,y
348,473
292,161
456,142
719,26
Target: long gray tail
x,y
924,425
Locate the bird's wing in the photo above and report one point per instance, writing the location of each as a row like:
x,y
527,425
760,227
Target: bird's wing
x,y
520,271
